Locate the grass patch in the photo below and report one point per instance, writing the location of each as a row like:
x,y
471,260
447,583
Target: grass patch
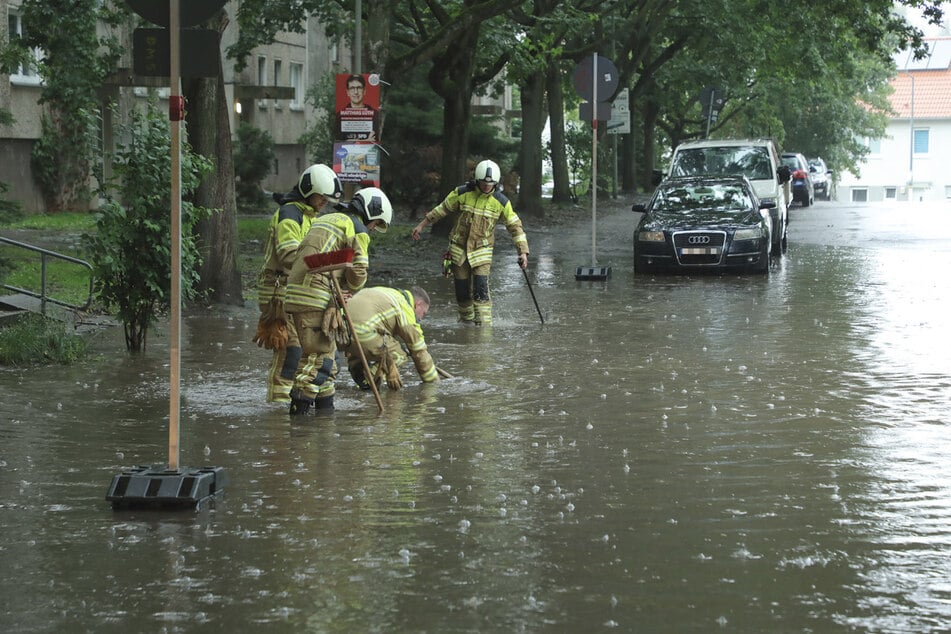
x,y
35,339
74,221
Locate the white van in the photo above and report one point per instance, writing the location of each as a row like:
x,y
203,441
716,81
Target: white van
x,y
756,159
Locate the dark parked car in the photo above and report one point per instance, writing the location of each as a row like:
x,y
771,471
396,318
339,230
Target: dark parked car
x,y
821,178
694,224
801,183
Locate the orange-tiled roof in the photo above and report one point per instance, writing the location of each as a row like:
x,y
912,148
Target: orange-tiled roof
x,y
932,95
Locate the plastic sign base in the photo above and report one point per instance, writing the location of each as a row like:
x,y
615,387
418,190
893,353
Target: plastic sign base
x,y
160,488
592,273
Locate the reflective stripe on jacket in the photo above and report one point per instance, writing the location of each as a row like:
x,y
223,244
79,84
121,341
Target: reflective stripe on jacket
x,y
288,226
473,235
308,291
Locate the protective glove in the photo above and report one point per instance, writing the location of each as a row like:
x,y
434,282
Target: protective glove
x,y
447,264
393,377
331,323
272,327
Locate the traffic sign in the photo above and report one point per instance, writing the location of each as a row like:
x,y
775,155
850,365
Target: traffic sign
x,y
151,52
585,111
192,12
607,78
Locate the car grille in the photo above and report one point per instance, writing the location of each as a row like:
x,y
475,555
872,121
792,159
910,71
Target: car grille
x,y
699,248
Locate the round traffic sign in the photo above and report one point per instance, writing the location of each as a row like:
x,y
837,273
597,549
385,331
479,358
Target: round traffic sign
x,y
607,78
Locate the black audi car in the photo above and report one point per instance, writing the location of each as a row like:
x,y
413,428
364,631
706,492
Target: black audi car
x,y
695,224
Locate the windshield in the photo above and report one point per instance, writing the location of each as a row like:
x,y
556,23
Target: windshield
x,y
720,196
750,161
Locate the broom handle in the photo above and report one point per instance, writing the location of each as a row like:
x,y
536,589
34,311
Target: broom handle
x,y
443,373
356,341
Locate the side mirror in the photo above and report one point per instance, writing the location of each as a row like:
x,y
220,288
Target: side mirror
x,y
656,177
639,207
769,204
783,174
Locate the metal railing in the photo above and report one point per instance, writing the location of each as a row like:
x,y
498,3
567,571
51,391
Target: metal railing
x,y
42,295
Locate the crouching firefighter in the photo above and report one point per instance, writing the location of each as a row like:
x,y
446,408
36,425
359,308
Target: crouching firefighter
x,y
384,320
311,303
481,204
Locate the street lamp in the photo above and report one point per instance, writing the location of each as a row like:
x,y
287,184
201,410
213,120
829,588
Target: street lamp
x,y
911,147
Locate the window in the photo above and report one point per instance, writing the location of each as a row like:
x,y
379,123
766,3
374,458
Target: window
x,y
262,78
860,195
297,83
334,52
947,191
891,193
24,73
874,146
921,140
277,79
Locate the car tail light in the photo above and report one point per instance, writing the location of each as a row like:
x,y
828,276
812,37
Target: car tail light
x,y
800,174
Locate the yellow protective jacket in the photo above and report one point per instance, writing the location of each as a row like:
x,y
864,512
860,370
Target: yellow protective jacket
x,y
473,235
288,226
379,311
308,291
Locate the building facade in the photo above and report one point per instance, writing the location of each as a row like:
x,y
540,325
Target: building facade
x,y
269,93
911,162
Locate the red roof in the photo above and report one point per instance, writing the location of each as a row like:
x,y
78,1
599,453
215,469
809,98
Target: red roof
x,y
932,91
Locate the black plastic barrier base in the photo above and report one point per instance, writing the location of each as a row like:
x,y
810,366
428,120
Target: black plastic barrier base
x,y
584,273
161,488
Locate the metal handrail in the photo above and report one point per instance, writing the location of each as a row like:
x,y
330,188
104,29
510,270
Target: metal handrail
x,y
42,296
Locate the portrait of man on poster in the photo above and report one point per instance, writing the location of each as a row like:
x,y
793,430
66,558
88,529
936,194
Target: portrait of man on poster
x,y
358,114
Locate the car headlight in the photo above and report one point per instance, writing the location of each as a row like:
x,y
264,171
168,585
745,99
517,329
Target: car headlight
x,y
747,234
651,236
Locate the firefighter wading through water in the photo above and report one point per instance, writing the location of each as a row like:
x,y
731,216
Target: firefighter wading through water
x,y
310,302
317,186
480,205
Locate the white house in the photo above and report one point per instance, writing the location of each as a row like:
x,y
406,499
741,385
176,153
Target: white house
x,y
912,162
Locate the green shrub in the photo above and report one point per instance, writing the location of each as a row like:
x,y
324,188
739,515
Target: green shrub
x,y
253,160
131,249
35,339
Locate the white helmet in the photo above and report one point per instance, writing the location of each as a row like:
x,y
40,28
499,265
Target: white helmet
x,y
372,204
487,171
320,179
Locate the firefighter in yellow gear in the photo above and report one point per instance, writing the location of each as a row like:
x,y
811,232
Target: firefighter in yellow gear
x,y
310,301
481,205
384,320
317,186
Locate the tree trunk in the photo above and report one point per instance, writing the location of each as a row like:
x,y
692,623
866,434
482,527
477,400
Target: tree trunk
x,y
649,115
533,122
209,134
559,156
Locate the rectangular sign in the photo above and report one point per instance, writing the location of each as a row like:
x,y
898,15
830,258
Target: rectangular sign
x,y
199,54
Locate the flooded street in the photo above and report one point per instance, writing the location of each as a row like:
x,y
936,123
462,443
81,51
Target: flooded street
x,y
663,454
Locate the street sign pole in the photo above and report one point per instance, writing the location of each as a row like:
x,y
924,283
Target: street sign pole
x,y
594,166
175,111
173,486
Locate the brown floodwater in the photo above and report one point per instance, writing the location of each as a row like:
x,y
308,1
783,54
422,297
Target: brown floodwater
x,y
665,454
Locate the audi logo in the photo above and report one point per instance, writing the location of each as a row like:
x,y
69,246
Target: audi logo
x,y
698,240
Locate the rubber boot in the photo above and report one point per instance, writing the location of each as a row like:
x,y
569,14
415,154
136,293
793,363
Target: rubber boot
x,y
466,313
299,406
324,404
483,313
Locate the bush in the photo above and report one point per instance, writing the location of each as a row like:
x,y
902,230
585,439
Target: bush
x,y
131,249
36,339
253,160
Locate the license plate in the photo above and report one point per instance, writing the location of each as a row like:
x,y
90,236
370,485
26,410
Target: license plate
x,y
700,251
